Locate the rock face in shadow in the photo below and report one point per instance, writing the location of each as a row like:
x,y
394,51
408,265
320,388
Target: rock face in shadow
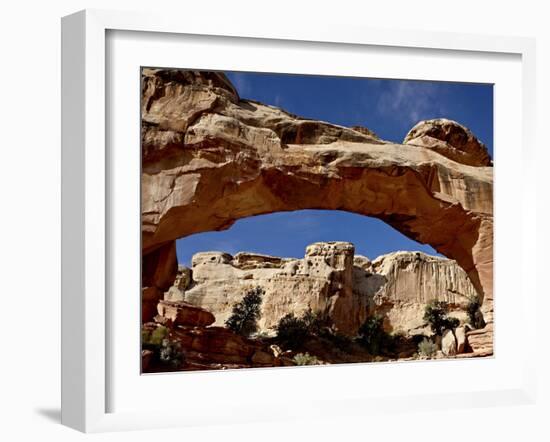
x,y
329,280
210,158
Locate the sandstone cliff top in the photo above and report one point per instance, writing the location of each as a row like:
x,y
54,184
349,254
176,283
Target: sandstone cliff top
x,y
249,260
450,139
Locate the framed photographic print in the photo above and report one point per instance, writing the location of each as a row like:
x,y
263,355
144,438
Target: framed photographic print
x,y
258,213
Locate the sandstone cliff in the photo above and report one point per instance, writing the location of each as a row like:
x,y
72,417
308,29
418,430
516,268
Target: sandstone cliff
x,y
397,286
210,158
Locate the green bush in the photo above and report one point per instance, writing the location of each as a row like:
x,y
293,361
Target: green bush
x,y
435,314
245,315
165,350
427,348
154,337
170,353
306,359
316,323
475,317
292,331
372,335
338,340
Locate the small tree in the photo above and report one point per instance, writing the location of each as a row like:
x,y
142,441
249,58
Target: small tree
x,y
436,315
292,331
372,334
245,315
475,317
316,323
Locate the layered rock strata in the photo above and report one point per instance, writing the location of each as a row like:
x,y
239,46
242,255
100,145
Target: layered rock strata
x,y
330,280
210,158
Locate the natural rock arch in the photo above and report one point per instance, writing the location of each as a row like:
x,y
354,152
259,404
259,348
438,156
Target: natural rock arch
x,y
210,158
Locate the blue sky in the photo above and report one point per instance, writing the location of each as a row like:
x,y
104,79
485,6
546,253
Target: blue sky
x,y
389,108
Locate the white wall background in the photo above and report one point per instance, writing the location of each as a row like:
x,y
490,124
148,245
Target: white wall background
x,y
30,214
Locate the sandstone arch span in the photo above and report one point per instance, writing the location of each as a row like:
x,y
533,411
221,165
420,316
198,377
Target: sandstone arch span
x,y
210,158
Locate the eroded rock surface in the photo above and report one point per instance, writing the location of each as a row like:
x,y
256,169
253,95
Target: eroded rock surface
x,y
204,346
210,158
450,139
331,280
180,313
410,281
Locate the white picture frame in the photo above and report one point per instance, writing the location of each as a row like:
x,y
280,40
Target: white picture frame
x,y
86,316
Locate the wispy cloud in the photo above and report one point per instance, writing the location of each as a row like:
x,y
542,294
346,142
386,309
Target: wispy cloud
x,y
411,101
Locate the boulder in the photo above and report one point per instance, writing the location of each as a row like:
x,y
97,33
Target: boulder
x,y
181,313
448,343
449,139
263,358
275,350
461,340
481,340
218,345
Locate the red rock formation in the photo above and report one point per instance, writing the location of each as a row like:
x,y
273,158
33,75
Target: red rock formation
x,y
204,347
181,313
210,158
450,139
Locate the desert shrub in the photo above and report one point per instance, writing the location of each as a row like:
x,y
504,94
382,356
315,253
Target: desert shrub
x,y
315,322
475,317
154,337
165,350
417,339
306,359
245,314
396,340
339,340
427,348
435,314
372,336
170,353
292,331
